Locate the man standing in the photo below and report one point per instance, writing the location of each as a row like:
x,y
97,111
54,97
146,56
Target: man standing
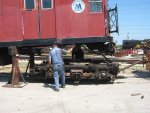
x,y
55,58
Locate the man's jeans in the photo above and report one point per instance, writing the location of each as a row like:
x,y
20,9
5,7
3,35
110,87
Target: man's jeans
x,y
59,71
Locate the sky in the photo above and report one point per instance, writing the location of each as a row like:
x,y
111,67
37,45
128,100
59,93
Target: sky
x,y
134,19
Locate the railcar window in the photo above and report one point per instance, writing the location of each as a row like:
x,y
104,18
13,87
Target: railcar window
x,y
95,5
46,4
29,4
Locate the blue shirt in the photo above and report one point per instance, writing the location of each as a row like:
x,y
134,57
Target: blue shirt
x,y
55,55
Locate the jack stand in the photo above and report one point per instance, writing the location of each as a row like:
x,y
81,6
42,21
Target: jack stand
x,y
31,63
15,72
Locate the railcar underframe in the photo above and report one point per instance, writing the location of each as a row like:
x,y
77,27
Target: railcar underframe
x,y
99,69
106,72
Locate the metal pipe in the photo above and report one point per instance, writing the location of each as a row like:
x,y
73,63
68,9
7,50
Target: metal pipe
x,y
130,66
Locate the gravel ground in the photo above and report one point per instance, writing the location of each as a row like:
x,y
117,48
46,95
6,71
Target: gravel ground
x,y
129,94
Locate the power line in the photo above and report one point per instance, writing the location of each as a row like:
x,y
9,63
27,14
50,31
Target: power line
x,y
136,28
133,8
133,33
132,4
135,25
132,27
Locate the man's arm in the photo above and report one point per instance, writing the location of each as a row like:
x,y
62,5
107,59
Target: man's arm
x,y
67,51
49,59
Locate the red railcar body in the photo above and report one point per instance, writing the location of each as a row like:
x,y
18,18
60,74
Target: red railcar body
x,y
30,25
34,23
25,20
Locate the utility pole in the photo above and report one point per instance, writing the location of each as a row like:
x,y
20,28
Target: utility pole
x,y
128,36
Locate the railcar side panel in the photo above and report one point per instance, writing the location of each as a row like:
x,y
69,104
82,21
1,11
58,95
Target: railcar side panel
x,y
30,19
39,19
106,16
22,20
79,20
10,21
47,19
1,8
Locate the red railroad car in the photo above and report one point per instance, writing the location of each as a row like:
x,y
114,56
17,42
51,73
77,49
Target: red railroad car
x,y
25,23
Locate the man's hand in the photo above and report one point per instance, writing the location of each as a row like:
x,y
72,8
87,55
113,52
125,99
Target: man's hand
x,y
70,49
49,62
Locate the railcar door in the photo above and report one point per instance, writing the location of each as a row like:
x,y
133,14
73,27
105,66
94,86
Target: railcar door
x,y
38,19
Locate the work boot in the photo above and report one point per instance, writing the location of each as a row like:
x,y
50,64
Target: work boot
x,y
63,86
57,90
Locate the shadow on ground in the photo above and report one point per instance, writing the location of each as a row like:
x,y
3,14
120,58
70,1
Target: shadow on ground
x,y
121,77
5,77
142,74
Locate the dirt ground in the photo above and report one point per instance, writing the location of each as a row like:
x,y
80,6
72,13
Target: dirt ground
x,y
129,94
